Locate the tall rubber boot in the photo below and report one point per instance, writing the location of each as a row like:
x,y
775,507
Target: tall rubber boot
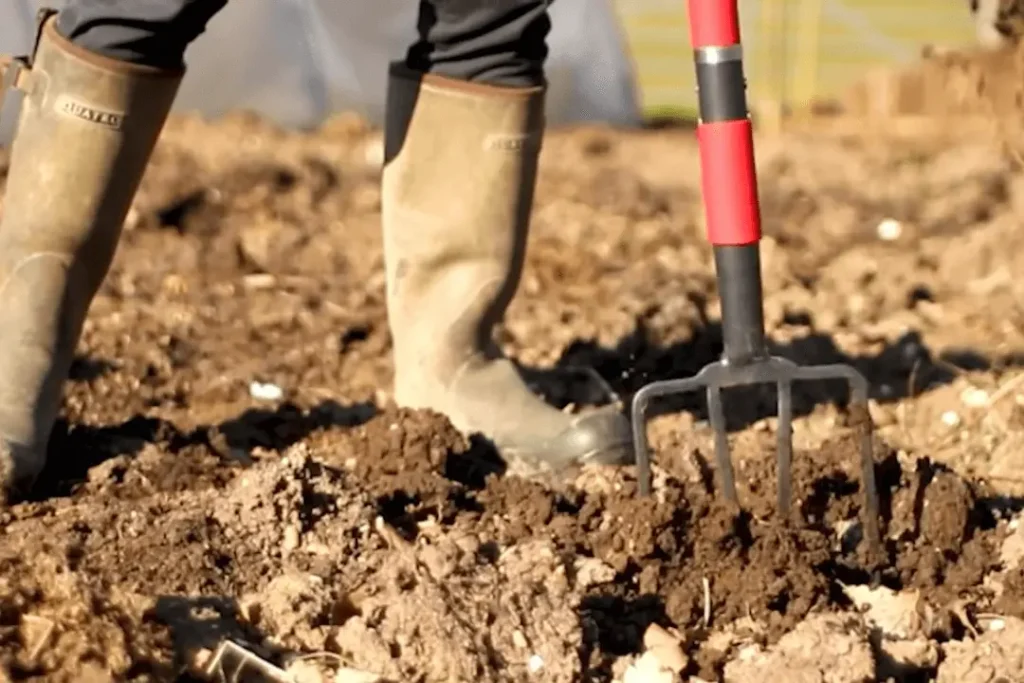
x,y
460,169
87,128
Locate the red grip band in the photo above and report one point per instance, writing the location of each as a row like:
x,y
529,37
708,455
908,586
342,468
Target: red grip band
x,y
729,182
714,22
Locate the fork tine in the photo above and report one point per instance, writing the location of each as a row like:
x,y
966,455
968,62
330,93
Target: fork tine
x,y
723,460
783,373
871,526
642,454
785,447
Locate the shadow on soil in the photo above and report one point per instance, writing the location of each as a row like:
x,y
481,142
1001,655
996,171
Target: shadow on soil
x,y
613,626
75,449
902,369
585,375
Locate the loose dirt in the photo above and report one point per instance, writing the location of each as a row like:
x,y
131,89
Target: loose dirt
x,y
184,506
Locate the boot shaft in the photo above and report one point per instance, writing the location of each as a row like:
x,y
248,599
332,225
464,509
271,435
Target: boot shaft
x,y
460,169
86,130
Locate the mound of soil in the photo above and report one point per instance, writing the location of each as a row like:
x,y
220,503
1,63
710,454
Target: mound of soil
x,y
381,535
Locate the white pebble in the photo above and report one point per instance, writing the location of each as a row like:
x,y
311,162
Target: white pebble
x,y
950,418
647,669
890,229
535,664
996,625
265,392
974,397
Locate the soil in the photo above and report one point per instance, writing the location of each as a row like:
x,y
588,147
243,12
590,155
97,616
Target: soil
x,y
183,507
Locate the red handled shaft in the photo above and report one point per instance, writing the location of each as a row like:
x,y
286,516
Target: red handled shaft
x,y
728,175
729,179
729,182
714,23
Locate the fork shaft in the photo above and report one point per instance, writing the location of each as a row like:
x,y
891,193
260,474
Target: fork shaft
x,y
728,175
738,270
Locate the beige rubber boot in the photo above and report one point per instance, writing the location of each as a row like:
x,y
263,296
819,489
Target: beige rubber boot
x,y
460,168
87,127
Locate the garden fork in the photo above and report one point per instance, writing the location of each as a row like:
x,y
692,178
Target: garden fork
x,y
732,213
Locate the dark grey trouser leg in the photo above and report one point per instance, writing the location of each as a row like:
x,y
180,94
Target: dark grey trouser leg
x,y
501,42
144,32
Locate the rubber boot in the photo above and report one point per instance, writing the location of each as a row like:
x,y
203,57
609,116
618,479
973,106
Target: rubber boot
x,y
460,168
87,128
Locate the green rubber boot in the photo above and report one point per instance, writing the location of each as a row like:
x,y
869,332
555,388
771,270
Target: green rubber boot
x,y
87,128
460,169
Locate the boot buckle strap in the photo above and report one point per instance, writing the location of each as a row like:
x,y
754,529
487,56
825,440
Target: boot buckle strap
x,y
14,74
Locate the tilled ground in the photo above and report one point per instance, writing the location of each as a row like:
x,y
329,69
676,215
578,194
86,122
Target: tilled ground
x,y
184,505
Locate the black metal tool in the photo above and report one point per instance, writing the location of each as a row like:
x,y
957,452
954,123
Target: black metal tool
x,y
732,212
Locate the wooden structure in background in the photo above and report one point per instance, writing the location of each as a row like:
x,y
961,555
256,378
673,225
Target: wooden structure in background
x,y
799,51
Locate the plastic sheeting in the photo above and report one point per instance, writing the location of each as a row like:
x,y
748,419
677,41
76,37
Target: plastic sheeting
x,y
297,61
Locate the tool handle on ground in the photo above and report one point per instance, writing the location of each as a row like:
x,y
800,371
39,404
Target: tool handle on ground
x,y
728,174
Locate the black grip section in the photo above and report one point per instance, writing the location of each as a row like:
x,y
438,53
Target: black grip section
x,y
721,91
739,285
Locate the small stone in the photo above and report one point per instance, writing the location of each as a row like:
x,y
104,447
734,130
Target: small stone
x,y
894,613
131,221
349,675
265,391
1012,553
974,397
591,571
665,647
890,230
291,539
648,669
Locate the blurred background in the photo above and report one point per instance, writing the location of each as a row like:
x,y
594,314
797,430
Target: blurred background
x,y
797,51
298,62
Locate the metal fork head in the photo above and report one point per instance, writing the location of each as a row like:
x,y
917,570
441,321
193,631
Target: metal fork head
x,y
715,377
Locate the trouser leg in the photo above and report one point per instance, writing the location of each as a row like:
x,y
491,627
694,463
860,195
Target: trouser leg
x,y
141,32
499,42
